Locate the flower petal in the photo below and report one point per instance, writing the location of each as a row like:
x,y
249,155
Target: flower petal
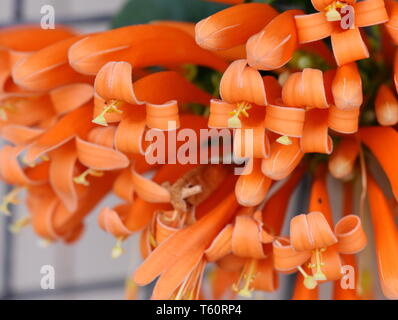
x,y
382,141
252,186
370,12
347,87
315,133
343,121
282,160
242,83
313,27
350,234
274,46
141,46
386,237
348,46
233,26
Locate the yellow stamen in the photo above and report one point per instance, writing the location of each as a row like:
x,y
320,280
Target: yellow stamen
x,y
18,225
10,198
7,106
234,121
309,282
82,178
285,140
152,240
117,250
319,275
247,275
331,11
113,106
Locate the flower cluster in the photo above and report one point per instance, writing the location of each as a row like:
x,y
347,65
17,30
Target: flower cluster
x,y
75,111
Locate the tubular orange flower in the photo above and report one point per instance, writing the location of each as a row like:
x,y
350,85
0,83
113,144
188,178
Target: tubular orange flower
x,y
347,87
176,256
233,26
392,24
141,46
386,107
341,162
386,237
347,42
384,152
312,237
251,188
48,68
274,46
282,160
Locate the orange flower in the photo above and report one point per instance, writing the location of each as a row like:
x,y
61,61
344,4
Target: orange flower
x,y
385,152
180,254
311,238
386,237
274,46
341,21
233,26
141,46
386,107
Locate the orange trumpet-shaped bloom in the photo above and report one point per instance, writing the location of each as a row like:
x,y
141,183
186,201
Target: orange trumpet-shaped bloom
x,y
396,70
233,26
382,141
48,68
392,24
342,161
386,237
386,107
179,254
282,160
241,88
347,87
341,21
311,237
19,42
242,83
274,46
141,46
252,187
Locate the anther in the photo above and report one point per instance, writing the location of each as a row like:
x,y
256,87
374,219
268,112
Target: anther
x,y
10,198
309,282
18,225
112,107
285,140
332,14
117,250
242,107
82,178
7,106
